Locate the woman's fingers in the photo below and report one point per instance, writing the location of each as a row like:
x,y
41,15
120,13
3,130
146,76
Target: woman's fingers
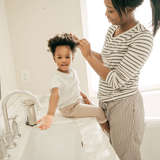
x,y
76,39
84,43
81,42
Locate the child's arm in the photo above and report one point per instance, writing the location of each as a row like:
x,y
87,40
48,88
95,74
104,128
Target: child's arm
x,y
46,121
85,98
53,101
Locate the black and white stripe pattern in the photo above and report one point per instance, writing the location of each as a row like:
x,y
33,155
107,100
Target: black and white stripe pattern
x,y
125,55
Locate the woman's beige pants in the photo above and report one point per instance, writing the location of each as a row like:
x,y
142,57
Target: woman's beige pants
x,y
126,120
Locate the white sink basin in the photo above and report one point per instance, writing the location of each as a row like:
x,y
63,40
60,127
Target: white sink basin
x,y
60,142
63,142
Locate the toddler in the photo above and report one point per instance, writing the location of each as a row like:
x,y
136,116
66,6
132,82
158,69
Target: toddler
x,y
65,91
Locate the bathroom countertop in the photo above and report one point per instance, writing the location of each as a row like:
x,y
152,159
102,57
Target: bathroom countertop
x,y
96,143
77,130
36,144
16,152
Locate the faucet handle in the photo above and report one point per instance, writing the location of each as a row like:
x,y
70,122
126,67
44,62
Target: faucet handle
x,y
9,140
28,102
13,117
15,128
30,112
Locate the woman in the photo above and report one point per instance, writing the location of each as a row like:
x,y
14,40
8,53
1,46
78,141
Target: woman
x,y
126,48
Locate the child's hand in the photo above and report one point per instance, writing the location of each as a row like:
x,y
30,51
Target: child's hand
x,y
45,122
86,100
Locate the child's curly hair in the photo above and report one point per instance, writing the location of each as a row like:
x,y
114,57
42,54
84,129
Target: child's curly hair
x,y
62,39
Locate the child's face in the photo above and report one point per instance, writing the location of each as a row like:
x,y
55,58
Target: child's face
x,y
63,58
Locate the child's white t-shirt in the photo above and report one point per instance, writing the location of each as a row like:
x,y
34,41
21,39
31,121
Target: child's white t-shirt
x,y
68,85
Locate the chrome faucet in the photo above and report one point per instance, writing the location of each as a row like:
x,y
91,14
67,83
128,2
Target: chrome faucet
x,y
30,110
31,114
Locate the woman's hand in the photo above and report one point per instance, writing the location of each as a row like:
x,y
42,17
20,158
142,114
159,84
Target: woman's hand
x,y
84,46
45,122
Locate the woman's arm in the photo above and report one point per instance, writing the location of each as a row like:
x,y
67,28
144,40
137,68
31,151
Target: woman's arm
x,y
98,56
130,65
99,68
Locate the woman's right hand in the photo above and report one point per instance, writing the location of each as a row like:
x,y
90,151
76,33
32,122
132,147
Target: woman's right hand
x,y
45,122
83,45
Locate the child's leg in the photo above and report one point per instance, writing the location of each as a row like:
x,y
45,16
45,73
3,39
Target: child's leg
x,y
85,110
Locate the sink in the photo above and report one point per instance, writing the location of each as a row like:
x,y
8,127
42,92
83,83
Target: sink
x,y
62,141
59,142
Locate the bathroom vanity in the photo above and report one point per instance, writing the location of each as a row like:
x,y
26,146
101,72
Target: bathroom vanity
x,y
66,139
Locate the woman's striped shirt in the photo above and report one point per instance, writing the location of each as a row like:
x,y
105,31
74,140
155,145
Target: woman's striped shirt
x,y
125,56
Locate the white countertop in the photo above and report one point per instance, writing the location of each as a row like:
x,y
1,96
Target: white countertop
x,y
63,140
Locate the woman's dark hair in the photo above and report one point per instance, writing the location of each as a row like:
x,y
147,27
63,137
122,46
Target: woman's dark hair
x,y
62,39
121,5
155,4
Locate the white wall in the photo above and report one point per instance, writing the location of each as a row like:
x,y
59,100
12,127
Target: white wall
x,y
151,104
7,65
31,24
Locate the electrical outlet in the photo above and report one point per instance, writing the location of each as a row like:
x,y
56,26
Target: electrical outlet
x,y
25,75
